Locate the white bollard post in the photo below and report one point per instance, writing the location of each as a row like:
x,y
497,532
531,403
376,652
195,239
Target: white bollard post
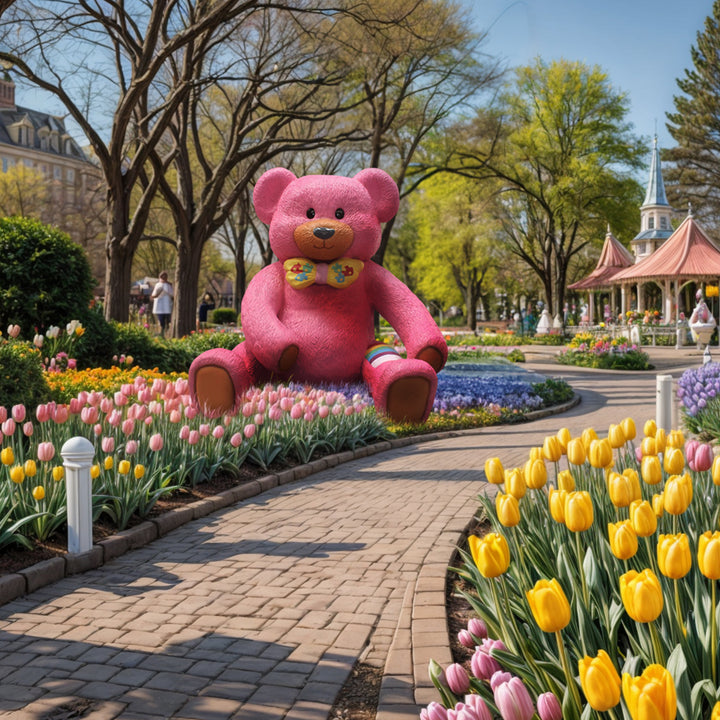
x,y
664,402
77,454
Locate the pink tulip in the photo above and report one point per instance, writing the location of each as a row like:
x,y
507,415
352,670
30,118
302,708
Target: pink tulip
x,y
62,413
478,628
435,711
194,437
181,386
18,413
331,398
13,331
483,665
461,711
690,447
156,442
337,409
247,409
466,639
513,700
28,429
114,418
97,430
457,679
703,457
204,430
249,430
3,414
184,432
236,440
218,431
549,707
8,427
323,411
127,389
83,397
275,412
120,399
106,405
89,415
349,410
108,444
190,412
259,419
148,421
261,406
155,407
158,386
500,677
145,395
72,364
128,426
638,454
46,451
478,705
42,413
175,416
285,404
139,382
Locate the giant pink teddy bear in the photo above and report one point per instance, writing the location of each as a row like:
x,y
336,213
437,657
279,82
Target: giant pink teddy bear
x,y
309,316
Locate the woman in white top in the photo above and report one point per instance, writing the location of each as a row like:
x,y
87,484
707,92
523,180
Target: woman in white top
x,y
162,295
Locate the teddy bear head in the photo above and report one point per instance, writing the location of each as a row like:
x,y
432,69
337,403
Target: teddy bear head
x,y
325,217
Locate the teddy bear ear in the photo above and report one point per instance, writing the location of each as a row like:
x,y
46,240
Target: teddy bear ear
x,y
268,190
383,191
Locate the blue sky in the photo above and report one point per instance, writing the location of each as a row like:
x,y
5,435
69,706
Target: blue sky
x,y
642,45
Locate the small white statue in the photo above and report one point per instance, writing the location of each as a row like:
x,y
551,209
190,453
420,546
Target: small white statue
x,y
702,323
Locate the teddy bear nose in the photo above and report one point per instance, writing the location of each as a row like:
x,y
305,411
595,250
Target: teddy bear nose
x,y
323,232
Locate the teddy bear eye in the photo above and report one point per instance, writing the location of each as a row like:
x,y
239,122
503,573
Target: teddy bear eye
x,y
339,213
310,213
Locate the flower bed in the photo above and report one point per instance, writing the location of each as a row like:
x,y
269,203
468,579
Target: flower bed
x,y
604,352
595,590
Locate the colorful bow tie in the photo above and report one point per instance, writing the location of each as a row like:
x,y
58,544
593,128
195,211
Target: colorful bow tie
x,y
341,273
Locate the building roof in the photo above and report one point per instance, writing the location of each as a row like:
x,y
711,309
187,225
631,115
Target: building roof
x,y
613,258
688,253
655,194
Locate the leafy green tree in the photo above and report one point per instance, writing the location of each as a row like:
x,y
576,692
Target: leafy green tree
x,y
558,152
45,278
456,252
695,126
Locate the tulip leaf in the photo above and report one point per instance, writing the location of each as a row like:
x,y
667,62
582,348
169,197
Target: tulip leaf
x,y
702,689
570,710
677,667
586,713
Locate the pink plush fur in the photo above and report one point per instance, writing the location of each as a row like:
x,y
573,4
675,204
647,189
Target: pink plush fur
x,y
321,333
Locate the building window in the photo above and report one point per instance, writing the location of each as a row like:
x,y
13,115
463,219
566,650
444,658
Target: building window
x,y
43,142
57,173
651,222
70,175
663,223
45,170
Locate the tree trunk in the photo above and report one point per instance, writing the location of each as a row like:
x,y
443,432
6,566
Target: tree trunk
x,y
187,274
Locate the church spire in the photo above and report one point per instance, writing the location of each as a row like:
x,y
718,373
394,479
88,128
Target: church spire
x,y
655,194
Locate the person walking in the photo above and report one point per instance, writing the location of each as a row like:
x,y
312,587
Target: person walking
x,y
162,295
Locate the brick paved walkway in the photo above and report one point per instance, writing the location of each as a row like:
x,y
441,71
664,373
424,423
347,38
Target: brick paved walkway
x,y
259,611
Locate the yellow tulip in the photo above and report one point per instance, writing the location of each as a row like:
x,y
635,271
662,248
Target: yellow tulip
x,y
38,492
642,518
650,428
673,553
673,461
552,449
108,463
678,494
565,481
17,474
95,471
716,712
549,605
515,483
660,440
676,439
490,554
616,436
634,478
641,595
648,446
587,436
578,511
709,554
507,509
535,453
556,501
30,468
494,471
628,426
651,696
576,454
600,681
651,470
7,456
564,437
124,467
535,474
658,504
716,470
620,489
139,471
601,454
623,539
58,473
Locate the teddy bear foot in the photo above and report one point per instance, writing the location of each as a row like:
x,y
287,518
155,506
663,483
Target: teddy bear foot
x,y
402,389
216,379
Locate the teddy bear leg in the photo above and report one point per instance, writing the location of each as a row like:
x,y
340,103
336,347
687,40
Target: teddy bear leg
x,y
402,389
217,377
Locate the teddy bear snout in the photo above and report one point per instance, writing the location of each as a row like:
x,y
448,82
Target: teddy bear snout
x,y
324,233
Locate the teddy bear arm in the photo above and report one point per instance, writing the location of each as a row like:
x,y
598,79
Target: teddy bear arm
x,y
408,316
